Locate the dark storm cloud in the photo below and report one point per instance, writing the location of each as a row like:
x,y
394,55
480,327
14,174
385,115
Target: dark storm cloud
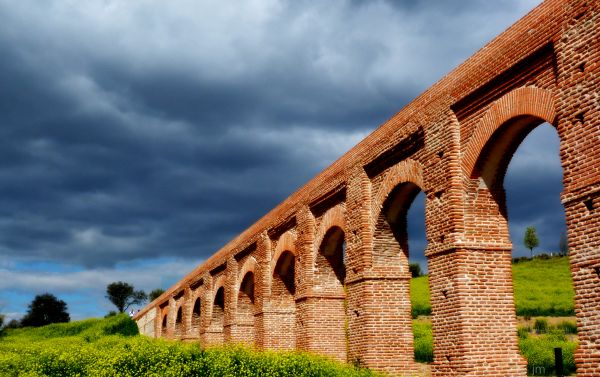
x,y
143,130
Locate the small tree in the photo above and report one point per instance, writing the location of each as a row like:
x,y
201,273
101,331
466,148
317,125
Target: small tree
x,y
44,310
123,295
415,270
563,244
531,239
155,293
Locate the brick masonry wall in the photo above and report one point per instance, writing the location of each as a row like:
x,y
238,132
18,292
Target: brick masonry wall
x,y
329,265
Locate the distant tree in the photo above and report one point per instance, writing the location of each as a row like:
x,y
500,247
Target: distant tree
x,y
123,295
45,309
531,239
1,324
155,293
13,324
415,270
563,244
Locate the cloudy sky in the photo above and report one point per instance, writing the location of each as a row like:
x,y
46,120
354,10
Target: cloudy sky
x,y
137,137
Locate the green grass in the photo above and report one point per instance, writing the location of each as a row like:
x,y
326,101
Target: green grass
x,y
419,296
111,347
543,287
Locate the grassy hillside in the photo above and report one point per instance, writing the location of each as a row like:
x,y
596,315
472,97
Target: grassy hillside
x,y
111,347
543,287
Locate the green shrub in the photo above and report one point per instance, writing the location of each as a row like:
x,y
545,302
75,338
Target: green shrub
x,y
419,296
568,327
423,341
107,348
539,352
523,332
540,326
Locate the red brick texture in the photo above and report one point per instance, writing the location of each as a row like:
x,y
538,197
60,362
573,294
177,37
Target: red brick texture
x,y
327,270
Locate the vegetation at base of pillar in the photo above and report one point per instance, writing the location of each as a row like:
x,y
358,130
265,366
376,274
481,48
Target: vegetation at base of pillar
x,y
45,309
112,347
155,293
123,295
531,240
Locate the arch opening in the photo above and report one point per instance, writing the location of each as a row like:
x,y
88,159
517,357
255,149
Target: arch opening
x,y
196,316
391,252
163,327
283,289
245,309
329,278
217,321
179,323
516,182
330,267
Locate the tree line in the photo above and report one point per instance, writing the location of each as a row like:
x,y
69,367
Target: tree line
x,y
46,308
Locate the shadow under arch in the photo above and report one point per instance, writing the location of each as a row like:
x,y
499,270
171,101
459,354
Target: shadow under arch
x,y
283,303
196,317
217,319
245,319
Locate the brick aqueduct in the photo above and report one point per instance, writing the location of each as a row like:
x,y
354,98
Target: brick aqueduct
x,y
285,282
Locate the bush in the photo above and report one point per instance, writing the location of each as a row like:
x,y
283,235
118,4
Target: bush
x,y
106,348
539,352
540,326
419,296
423,341
415,270
567,327
523,332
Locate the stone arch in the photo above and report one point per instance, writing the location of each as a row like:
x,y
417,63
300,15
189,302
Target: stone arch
x,y
179,328
164,324
335,216
285,243
496,138
525,101
283,290
246,308
196,314
329,286
405,171
330,269
215,330
248,266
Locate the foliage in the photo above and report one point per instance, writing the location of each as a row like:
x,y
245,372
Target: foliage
x,y
13,324
423,341
106,348
155,293
123,295
419,296
541,326
45,309
567,327
531,239
415,270
539,351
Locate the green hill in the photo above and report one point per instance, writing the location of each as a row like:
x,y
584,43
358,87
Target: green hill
x,y
543,287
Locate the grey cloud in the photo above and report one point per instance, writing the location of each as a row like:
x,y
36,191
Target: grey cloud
x,y
143,130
